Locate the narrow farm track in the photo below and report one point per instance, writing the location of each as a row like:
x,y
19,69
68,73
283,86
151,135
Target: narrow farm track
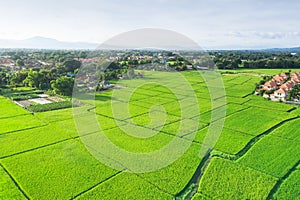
x,y
280,181
14,181
191,188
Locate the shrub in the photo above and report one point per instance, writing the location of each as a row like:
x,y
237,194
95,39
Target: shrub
x,y
50,106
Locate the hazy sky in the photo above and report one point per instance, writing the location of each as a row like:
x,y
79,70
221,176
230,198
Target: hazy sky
x,y
211,23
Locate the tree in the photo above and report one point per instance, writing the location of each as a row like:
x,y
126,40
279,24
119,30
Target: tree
x,y
20,63
18,78
63,85
71,65
36,79
3,77
82,54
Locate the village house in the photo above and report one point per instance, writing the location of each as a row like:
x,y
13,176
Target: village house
x,y
281,84
295,77
270,85
280,94
278,79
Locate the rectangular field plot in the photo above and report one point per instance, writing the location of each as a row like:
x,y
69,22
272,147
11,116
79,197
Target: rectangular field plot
x,y
272,155
183,127
254,121
131,138
55,115
225,179
189,111
58,172
34,138
228,141
8,189
107,123
18,123
153,119
280,115
125,186
221,112
175,177
236,100
9,109
150,101
290,187
260,102
240,80
289,130
240,90
120,110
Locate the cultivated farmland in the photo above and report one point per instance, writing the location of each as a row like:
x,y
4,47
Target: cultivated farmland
x,y
256,156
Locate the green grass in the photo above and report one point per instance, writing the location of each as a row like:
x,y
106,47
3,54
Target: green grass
x,y
44,155
8,188
34,138
9,109
290,130
18,123
255,121
127,137
199,196
272,155
229,141
182,127
154,119
57,172
290,187
120,110
230,109
175,177
260,102
55,115
225,179
125,186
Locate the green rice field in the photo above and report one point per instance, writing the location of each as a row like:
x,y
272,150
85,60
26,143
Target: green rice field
x,y
256,155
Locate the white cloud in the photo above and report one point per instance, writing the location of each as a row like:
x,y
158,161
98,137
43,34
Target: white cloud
x,y
211,23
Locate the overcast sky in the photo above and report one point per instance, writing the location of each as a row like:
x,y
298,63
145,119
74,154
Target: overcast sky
x,y
212,24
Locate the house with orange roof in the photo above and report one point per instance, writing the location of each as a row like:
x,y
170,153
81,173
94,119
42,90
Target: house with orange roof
x,y
278,79
282,84
270,85
284,76
280,94
296,80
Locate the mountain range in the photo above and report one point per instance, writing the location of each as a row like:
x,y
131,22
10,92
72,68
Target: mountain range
x,y
44,43
49,43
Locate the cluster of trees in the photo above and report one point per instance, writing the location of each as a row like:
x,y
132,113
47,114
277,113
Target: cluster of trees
x,y
254,60
294,93
44,55
60,78
55,79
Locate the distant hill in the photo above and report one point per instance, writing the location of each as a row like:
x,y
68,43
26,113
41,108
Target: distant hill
x,y
45,43
49,43
292,50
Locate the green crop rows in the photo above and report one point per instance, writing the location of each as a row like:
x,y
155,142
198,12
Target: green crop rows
x,y
256,155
